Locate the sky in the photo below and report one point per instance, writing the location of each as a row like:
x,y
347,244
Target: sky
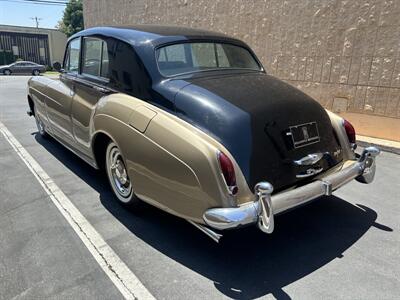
x,y
17,12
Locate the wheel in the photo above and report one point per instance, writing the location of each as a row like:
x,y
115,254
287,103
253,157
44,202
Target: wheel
x,y
36,72
118,177
7,72
40,125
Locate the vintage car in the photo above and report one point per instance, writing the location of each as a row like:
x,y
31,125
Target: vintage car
x,y
189,121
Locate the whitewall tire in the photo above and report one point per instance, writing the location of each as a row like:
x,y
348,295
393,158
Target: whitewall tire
x,y
118,177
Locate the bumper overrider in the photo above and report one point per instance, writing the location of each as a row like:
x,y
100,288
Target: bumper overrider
x,y
266,206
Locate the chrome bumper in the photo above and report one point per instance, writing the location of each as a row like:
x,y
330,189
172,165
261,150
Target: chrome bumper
x,y
266,206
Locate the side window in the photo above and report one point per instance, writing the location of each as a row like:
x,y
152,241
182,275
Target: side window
x,y
95,57
104,62
127,72
71,63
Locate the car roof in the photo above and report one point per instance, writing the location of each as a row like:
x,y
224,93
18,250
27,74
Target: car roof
x,y
137,35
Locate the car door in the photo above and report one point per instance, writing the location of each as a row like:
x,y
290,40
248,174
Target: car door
x,y
30,67
90,85
26,68
17,68
60,94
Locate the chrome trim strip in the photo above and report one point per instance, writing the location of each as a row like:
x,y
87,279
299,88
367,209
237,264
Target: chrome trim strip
x,y
263,209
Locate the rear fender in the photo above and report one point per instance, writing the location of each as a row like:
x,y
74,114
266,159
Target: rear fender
x,y
172,164
337,124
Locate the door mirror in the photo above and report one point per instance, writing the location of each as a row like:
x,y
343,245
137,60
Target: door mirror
x,y
57,66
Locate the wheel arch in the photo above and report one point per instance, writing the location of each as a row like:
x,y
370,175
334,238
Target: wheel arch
x,y
31,104
100,141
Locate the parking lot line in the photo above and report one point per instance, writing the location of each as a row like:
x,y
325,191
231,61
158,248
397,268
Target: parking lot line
x,y
118,272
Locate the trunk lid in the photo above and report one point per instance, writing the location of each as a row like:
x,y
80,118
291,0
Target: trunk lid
x,y
265,123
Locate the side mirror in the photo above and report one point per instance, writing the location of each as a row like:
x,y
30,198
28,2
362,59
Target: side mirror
x,y
57,66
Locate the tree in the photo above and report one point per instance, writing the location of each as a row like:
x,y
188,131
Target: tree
x,y
72,21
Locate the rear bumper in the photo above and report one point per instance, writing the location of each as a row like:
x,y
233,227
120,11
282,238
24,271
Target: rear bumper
x,y
262,210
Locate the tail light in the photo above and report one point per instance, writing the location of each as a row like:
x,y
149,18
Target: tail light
x,y
228,171
351,133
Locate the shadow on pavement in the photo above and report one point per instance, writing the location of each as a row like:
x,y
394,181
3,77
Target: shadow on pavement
x,y
247,263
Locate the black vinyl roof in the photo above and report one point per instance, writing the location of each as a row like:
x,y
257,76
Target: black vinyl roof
x,y
154,34
163,30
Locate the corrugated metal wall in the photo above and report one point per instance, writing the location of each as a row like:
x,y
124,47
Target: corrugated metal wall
x,y
30,47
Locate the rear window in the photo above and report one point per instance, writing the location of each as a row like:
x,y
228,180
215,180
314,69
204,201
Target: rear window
x,y
196,57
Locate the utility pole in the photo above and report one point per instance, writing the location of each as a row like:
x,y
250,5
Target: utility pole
x,y
36,21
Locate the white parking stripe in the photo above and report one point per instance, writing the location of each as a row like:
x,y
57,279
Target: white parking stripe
x,y
122,277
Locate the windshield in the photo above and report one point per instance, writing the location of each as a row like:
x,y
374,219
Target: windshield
x,y
195,57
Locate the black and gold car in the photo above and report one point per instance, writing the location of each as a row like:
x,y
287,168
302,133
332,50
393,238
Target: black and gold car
x,y
189,121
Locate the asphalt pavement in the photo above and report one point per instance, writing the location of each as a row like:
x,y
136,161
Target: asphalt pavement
x,y
344,246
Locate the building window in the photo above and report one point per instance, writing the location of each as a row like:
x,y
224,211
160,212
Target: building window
x,y
15,50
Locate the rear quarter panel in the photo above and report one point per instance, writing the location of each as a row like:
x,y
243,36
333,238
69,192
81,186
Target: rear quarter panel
x,y
337,124
172,164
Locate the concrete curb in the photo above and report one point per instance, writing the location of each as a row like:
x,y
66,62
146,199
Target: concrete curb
x,y
384,145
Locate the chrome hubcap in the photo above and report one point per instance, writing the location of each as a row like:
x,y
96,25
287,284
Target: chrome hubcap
x,y
119,174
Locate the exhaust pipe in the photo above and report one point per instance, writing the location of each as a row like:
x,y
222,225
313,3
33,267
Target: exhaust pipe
x,y
210,233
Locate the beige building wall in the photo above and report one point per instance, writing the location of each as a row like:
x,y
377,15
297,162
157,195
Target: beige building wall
x,y
57,39
345,54
57,43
